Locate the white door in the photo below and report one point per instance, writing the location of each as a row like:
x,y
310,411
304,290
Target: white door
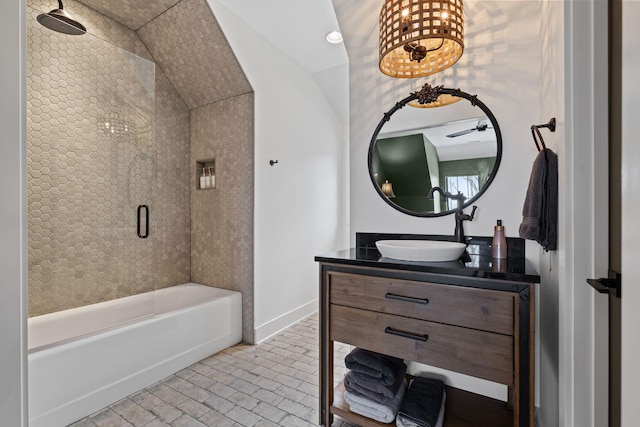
x,y
630,390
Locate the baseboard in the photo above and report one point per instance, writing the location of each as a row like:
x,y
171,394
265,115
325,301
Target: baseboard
x,y
272,327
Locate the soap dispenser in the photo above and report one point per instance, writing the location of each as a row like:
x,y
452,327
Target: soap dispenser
x,y
499,243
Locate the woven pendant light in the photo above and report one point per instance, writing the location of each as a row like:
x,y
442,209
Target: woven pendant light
x,y
420,37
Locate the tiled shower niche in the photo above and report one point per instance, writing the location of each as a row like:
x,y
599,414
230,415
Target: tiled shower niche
x,y
205,174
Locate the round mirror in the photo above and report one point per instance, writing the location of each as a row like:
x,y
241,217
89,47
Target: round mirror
x,y
456,146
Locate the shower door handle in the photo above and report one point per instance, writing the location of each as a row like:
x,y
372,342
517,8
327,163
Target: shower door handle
x,y
146,221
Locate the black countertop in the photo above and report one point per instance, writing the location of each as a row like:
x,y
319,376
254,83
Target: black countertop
x,y
475,262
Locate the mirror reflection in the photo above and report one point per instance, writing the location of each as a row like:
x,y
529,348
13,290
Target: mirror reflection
x,y
456,147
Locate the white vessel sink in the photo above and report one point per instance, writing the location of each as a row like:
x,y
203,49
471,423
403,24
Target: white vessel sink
x,y
420,250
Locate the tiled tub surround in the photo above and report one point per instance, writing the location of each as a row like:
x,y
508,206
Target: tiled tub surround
x,y
85,358
188,44
222,218
68,176
84,183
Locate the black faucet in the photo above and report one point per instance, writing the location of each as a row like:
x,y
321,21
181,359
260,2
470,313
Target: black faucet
x,y
459,213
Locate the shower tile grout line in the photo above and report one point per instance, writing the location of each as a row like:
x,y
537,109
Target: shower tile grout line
x,y
272,384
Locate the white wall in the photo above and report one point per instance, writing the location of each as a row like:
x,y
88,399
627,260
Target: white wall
x,y
499,64
299,209
13,228
551,68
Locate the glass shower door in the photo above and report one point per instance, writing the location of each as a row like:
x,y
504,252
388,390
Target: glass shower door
x,y
91,171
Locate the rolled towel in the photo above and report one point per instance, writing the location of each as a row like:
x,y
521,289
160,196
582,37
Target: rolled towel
x,y
374,364
403,422
376,411
422,402
372,387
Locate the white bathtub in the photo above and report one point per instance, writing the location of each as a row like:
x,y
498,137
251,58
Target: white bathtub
x,y
84,359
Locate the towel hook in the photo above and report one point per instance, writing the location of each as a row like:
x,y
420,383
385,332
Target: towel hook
x,y
535,130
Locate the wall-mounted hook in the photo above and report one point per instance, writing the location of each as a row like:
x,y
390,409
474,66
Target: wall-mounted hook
x,y
273,162
535,130
551,125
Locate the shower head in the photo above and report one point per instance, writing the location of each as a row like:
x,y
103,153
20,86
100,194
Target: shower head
x,y
59,20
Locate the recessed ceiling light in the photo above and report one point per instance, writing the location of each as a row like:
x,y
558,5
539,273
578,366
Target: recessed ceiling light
x,y
334,37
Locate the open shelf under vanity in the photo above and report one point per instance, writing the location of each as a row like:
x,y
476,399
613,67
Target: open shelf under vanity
x,y
462,409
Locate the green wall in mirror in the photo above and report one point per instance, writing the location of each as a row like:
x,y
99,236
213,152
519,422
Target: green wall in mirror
x,y
403,162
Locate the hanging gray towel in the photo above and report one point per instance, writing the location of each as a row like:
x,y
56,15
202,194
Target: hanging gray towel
x,y
540,211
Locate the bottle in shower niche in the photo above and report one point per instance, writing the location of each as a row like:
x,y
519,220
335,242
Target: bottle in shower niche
x,y
207,178
499,243
212,177
203,178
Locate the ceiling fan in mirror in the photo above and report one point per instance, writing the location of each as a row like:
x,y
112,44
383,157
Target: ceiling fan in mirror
x,y
482,126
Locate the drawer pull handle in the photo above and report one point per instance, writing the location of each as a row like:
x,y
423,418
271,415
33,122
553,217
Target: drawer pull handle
x,y
407,299
391,331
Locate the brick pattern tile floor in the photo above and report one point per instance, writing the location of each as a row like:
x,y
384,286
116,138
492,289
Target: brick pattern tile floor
x,y
272,384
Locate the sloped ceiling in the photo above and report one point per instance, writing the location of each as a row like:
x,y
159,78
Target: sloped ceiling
x,y
131,13
297,27
187,43
185,39
191,49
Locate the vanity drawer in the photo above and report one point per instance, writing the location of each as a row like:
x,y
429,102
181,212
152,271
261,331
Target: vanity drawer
x,y
481,354
482,309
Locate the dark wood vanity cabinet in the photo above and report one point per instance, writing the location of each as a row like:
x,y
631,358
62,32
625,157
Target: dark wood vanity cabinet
x,y
476,326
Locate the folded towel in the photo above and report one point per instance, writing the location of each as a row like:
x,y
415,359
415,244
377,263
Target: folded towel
x,y
422,402
376,411
375,365
540,210
372,387
403,422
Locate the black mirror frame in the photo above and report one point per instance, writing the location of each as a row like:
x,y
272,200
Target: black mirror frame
x,y
427,95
